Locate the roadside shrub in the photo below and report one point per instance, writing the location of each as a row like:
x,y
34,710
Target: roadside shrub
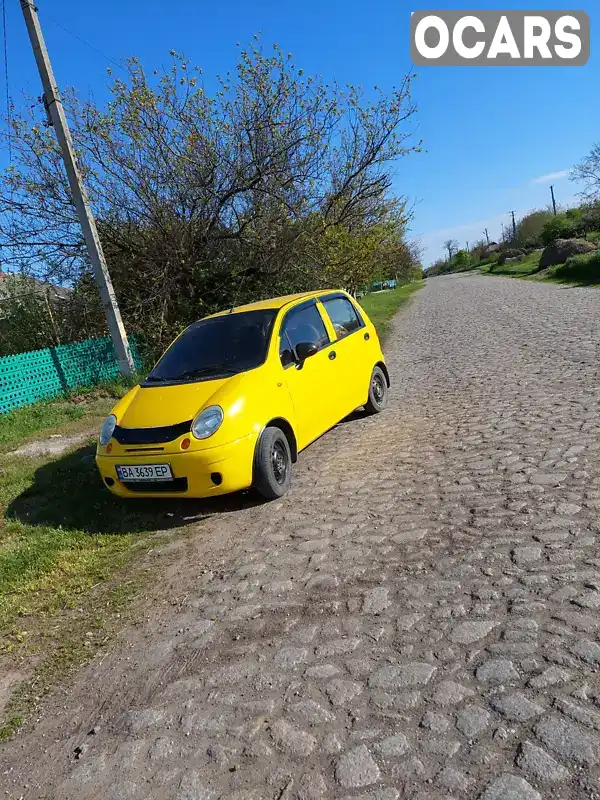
x,y
559,227
581,269
530,227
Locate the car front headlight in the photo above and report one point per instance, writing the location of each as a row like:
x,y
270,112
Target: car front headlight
x,y
207,422
107,429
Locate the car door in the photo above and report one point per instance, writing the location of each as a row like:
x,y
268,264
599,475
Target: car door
x,y
309,381
353,353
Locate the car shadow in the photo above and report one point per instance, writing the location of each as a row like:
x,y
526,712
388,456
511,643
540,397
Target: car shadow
x,y
68,493
355,416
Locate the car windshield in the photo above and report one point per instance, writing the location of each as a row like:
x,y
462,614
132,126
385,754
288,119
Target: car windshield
x,y
216,348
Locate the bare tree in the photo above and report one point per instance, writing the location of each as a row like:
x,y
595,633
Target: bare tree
x,y
451,245
587,172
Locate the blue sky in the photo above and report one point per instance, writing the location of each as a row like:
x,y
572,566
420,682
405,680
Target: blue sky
x,y
492,135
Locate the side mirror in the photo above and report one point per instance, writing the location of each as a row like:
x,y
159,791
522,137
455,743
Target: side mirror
x,y
305,350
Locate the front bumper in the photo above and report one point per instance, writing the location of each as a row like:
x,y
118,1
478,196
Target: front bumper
x,y
192,471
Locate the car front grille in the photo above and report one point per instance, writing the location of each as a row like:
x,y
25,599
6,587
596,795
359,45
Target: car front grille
x,y
176,485
167,433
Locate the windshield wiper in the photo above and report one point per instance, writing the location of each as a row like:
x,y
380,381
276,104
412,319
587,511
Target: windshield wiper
x,y
201,372
156,378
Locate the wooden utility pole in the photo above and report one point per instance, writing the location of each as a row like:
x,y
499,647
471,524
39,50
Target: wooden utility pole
x,y
514,225
58,119
487,238
553,200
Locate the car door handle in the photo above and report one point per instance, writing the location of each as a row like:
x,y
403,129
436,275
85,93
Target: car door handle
x,y
367,337
331,355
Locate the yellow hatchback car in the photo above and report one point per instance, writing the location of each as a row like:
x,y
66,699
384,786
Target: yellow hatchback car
x,y
239,394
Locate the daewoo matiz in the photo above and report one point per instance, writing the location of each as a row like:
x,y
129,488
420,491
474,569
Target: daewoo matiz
x,y
239,394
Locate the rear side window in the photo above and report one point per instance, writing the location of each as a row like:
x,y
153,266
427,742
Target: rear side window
x,y
303,325
343,316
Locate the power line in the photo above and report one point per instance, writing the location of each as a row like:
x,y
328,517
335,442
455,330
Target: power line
x,y
83,41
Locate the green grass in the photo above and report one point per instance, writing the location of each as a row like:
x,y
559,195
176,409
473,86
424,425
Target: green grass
x,y
381,306
67,547
83,406
528,265
582,270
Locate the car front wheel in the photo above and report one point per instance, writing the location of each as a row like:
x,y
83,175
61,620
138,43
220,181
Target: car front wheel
x,y
378,392
273,464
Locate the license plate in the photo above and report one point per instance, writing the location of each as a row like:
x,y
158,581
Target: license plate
x,y
145,472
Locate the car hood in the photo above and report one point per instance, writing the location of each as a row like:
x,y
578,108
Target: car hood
x,y
157,406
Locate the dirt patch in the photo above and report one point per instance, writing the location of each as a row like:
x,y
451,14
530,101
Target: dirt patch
x,y
54,445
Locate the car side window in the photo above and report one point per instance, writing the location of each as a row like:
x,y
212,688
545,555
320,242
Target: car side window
x,y
301,325
343,316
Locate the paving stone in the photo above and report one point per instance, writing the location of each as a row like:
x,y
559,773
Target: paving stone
x,y
376,600
551,676
440,747
290,657
587,716
331,744
472,721
548,479
497,670
539,764
450,693
453,780
402,677
408,621
395,745
569,740
468,632
193,787
408,769
312,712
516,707
292,740
341,692
337,647
435,722
567,509
356,768
509,787
311,786
586,650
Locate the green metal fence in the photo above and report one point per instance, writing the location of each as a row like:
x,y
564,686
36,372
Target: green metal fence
x,y
41,374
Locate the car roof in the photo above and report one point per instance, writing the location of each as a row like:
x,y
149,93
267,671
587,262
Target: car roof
x,y
276,302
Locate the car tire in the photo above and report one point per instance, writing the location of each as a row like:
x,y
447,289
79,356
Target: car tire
x,y
272,464
378,392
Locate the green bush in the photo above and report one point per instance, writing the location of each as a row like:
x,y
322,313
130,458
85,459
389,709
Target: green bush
x,y
559,227
580,269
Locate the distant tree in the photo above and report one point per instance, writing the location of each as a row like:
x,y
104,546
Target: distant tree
x,y
451,245
587,172
530,227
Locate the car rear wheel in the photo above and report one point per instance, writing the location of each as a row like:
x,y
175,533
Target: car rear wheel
x,y
273,464
378,392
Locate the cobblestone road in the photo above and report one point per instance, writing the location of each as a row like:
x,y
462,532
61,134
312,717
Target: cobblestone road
x,y
419,618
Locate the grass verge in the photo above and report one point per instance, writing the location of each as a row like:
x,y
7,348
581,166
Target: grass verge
x,y
519,269
381,306
582,270
67,551
80,408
